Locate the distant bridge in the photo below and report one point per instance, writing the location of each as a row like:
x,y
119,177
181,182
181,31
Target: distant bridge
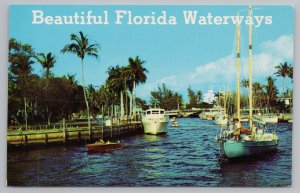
x,y
194,112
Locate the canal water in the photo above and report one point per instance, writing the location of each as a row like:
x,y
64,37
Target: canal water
x,y
187,156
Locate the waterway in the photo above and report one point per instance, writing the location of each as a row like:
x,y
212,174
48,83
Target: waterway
x,y
187,155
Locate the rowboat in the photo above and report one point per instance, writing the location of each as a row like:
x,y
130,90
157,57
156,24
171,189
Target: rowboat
x,y
104,146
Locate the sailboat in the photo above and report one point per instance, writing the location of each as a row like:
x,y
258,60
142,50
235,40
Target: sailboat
x,y
221,117
260,141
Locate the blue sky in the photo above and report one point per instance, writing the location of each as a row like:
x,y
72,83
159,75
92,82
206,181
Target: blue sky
x,y
179,55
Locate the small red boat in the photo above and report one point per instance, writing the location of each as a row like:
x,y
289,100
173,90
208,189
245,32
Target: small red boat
x,y
104,146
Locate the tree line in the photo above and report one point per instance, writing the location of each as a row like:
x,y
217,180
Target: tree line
x,y
266,95
49,98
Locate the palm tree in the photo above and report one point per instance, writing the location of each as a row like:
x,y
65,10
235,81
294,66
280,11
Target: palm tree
x,y
71,79
116,82
218,96
135,74
290,72
117,85
80,46
47,62
245,83
199,96
115,78
257,91
93,98
283,71
271,91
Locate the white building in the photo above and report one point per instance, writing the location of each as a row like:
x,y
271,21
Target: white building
x,y
209,97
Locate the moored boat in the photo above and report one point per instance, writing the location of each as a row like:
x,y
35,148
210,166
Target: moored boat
x,y
254,141
202,116
104,146
267,118
221,119
174,122
155,121
248,147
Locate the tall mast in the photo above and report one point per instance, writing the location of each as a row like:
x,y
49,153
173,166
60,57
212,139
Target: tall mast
x,y
250,68
225,99
238,63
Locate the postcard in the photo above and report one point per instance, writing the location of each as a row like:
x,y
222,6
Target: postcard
x,y
150,95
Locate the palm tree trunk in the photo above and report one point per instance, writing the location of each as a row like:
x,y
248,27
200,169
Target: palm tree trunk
x,y
129,93
134,100
126,101
85,98
47,105
283,86
122,105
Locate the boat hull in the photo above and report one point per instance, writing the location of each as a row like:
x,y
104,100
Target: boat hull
x,y
270,119
220,121
155,127
236,149
267,118
99,147
174,124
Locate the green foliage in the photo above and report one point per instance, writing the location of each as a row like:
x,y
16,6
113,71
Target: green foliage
x,y
141,103
134,72
245,83
116,78
121,79
47,62
165,98
284,70
51,98
21,57
81,47
194,98
271,93
20,60
205,105
46,99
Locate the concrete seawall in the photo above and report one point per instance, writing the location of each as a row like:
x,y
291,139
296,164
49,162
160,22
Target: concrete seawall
x,y
70,134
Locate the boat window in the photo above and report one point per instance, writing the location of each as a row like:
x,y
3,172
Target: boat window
x,y
148,112
155,112
161,112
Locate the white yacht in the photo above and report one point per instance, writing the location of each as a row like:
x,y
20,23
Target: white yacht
x,y
155,121
267,118
221,118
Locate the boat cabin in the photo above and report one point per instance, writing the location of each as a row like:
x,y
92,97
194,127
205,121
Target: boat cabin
x,y
155,112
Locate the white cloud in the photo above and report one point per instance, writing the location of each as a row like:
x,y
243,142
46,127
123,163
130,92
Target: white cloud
x,y
213,72
280,48
169,80
221,73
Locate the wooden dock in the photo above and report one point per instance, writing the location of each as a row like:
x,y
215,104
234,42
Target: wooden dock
x,y
70,134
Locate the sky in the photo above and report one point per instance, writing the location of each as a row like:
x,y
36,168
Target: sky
x,y
200,56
